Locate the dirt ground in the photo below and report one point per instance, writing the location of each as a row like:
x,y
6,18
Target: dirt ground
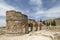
x,y
39,35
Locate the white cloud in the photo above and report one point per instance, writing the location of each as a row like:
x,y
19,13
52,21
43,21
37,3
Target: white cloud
x,y
2,23
38,8
39,13
35,2
53,12
3,8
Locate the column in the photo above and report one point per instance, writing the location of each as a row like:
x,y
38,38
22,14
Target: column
x,y
26,29
38,28
33,28
21,29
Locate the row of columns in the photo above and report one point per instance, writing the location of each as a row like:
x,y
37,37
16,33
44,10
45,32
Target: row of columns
x,y
38,27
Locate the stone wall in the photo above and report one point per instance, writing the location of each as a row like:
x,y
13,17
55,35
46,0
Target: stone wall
x,y
16,22
57,22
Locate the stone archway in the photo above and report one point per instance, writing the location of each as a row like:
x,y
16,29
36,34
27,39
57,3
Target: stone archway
x,y
39,26
30,25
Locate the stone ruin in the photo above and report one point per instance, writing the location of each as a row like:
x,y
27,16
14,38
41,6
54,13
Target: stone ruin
x,y
19,23
33,25
16,22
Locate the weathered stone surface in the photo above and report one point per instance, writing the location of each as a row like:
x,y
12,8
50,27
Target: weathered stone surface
x,y
16,22
34,25
19,23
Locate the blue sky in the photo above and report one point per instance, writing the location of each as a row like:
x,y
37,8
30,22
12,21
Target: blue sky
x,y
34,9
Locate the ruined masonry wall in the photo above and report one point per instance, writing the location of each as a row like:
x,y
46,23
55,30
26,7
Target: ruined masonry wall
x,y
16,22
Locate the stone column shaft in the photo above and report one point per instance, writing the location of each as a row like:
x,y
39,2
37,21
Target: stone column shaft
x,y
33,29
38,28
